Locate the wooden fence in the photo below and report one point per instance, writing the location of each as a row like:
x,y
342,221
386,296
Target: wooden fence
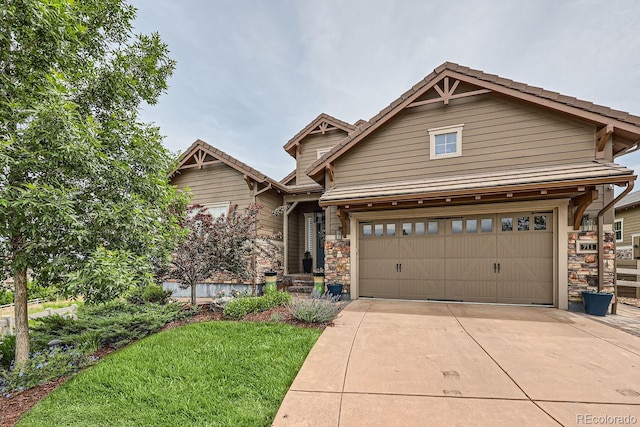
x,y
628,278
8,323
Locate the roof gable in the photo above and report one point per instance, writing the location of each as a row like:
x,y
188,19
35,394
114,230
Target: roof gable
x,y
320,125
201,154
442,85
629,201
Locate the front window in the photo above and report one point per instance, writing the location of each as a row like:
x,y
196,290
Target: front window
x,y
617,228
217,209
445,142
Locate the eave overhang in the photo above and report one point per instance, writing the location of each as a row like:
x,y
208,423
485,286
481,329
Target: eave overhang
x,y
570,181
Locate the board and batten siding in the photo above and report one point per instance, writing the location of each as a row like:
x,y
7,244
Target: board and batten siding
x,y
309,154
630,224
498,135
215,184
269,224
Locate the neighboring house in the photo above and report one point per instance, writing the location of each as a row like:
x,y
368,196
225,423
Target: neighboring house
x,y
627,227
468,187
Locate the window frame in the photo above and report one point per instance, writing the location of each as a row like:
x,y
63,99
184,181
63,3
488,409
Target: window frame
x,y
217,205
444,130
621,221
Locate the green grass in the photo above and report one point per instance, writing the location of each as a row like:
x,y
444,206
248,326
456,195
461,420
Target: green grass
x,y
205,374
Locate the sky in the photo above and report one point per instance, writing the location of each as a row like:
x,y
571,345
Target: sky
x,y
252,74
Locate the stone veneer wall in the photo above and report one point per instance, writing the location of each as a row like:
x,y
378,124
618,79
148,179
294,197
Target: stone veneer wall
x,y
337,263
583,268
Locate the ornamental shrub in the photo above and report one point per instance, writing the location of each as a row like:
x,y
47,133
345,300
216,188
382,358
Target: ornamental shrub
x,y
240,307
315,310
41,367
6,296
7,350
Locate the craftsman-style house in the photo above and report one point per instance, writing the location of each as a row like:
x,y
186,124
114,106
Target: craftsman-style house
x,y
468,187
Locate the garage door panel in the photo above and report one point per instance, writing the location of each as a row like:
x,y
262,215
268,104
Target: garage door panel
x,y
473,291
379,288
504,258
421,289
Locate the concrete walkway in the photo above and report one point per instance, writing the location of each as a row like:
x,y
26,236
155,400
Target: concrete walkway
x,y
397,363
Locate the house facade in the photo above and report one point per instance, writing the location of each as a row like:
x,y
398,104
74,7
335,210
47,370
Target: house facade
x,y
468,187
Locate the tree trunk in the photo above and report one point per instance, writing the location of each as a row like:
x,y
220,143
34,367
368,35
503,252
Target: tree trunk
x,y
193,294
21,315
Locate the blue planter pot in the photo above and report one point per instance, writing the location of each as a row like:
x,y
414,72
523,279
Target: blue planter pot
x,y
595,303
335,290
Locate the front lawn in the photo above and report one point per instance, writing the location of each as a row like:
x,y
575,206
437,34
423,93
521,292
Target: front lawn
x,y
205,374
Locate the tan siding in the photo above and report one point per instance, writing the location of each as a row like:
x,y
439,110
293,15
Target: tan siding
x,y
630,225
268,223
497,135
309,155
217,183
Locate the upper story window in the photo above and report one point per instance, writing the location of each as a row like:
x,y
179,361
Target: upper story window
x,y
322,151
617,228
445,142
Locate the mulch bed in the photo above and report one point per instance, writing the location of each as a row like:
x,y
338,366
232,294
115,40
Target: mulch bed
x,y
13,407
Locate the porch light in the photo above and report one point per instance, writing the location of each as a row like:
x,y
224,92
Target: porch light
x,y
588,224
339,233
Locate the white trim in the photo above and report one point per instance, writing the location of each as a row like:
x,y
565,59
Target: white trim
x,y
433,132
309,234
322,151
621,221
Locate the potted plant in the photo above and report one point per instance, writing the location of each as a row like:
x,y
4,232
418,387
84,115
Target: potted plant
x,y
270,281
596,303
307,262
335,290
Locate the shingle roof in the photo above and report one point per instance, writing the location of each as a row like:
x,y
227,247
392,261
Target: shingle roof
x,y
481,76
230,161
629,201
465,185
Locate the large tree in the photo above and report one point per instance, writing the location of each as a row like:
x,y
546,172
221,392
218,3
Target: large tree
x,y
82,180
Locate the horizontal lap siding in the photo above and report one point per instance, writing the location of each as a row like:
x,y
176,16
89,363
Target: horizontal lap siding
x,y
630,225
213,184
270,224
497,135
309,154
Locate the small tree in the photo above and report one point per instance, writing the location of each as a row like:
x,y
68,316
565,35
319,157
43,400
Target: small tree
x,y
214,246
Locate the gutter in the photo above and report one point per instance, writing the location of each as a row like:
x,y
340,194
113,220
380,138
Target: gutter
x,y
601,245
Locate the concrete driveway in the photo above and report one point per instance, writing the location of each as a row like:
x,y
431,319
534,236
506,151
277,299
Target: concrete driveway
x,y
399,363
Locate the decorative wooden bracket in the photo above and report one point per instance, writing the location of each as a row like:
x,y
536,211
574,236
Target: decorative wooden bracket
x,y
603,136
267,188
249,182
447,94
343,221
331,174
581,203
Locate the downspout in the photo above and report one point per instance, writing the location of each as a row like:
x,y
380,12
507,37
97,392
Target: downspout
x,y
601,245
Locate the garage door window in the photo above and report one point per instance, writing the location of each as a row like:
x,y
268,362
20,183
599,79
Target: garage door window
x,y
367,229
486,225
419,228
391,230
433,227
540,222
472,226
523,223
507,224
379,230
406,228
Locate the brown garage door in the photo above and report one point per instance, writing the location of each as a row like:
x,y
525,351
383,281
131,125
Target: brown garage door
x,y
505,258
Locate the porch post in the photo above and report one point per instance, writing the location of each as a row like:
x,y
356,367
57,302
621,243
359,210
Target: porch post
x,y
285,232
